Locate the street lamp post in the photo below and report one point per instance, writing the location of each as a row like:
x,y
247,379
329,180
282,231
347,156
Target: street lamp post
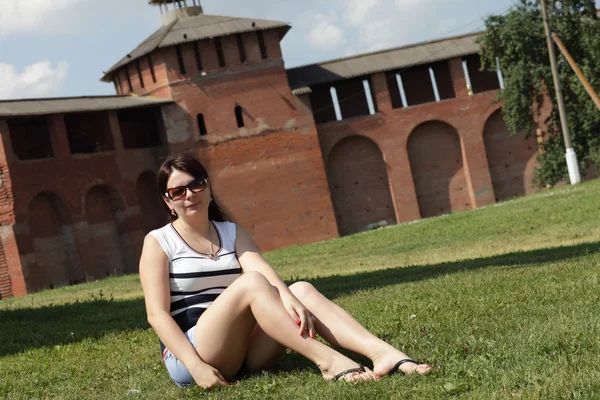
x,y
572,164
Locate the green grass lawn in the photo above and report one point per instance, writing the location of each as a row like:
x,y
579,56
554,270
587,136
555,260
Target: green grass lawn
x,y
504,301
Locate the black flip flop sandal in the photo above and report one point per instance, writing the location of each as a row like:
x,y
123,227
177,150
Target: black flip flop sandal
x,y
396,368
342,374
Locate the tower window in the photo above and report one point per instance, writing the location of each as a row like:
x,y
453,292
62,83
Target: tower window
x,y
220,54
239,116
240,43
201,124
151,68
128,78
261,44
197,55
139,72
180,59
118,84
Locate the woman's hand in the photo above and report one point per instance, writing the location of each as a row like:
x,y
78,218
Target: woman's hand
x,y
299,314
207,376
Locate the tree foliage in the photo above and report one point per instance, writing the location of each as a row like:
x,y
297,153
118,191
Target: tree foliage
x,y
518,41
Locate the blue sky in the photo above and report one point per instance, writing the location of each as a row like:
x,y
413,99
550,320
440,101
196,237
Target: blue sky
x,y
55,48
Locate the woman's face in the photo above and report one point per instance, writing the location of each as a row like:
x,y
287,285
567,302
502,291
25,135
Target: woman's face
x,y
191,203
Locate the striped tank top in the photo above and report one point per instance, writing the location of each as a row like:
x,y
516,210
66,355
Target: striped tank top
x,y
196,279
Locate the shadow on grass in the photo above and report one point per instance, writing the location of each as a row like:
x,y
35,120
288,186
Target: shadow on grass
x,y
338,285
24,329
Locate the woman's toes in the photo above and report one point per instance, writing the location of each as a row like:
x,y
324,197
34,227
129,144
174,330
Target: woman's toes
x,y
423,369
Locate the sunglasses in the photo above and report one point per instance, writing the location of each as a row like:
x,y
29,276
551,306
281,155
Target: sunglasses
x,y
178,192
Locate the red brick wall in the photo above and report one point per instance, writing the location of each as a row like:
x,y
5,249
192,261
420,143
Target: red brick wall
x,y
269,175
168,61
5,285
150,87
359,185
69,180
46,264
12,282
436,163
455,139
511,163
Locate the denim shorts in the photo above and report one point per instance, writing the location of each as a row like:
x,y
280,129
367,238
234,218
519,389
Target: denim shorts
x,y
179,372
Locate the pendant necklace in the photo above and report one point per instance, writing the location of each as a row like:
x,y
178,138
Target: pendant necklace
x,y
213,256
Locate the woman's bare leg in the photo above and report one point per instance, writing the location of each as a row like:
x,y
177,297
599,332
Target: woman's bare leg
x,y
340,329
223,331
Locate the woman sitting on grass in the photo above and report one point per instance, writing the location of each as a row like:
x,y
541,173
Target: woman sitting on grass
x,y
218,306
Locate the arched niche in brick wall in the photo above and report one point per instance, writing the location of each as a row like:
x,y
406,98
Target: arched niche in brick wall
x,y
436,161
358,181
110,248
152,211
5,284
511,159
54,260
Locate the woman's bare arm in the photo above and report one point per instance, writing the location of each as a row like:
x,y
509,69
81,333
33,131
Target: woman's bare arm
x,y
251,259
154,275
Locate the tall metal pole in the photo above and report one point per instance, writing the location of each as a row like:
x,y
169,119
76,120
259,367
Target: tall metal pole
x,y
572,164
584,81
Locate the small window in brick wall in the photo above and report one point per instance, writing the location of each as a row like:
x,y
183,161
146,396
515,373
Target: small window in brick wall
x,y
239,116
89,132
139,72
126,68
30,138
139,127
261,44
197,56
201,124
220,55
481,81
118,84
180,60
242,51
151,68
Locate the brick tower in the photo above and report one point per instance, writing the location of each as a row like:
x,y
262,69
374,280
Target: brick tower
x,y
233,108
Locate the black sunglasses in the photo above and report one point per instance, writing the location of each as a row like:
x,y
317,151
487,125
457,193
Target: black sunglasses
x,y
178,192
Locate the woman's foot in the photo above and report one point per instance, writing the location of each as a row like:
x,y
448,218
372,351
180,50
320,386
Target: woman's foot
x,y
387,360
344,369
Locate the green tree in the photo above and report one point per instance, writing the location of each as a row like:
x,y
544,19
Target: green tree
x,y
517,40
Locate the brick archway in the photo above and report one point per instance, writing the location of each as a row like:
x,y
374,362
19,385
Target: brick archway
x,y
511,159
54,258
110,242
359,185
436,161
152,211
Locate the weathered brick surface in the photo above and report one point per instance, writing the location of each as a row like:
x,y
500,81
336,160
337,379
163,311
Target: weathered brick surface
x,y
268,175
435,152
359,185
511,167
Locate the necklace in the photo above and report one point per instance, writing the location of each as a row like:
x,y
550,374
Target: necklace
x,y
213,256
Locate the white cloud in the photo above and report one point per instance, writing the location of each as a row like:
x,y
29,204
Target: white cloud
x,y
36,80
376,35
325,33
357,11
40,16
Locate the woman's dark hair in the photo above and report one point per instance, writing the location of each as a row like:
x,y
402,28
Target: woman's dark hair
x,y
190,166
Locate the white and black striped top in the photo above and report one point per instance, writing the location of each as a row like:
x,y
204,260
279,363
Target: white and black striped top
x,y
197,280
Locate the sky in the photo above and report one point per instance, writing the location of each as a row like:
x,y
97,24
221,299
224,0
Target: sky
x,y
58,48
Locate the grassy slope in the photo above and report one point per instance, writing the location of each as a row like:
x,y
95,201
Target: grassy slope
x,y
504,301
